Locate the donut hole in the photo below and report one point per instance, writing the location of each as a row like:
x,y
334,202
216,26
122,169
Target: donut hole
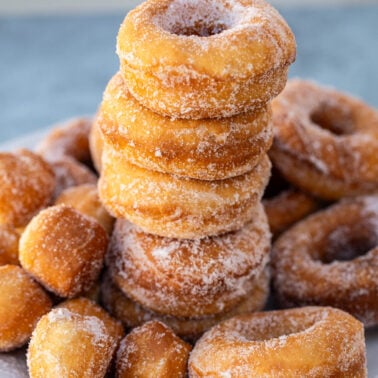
x,y
334,117
348,242
277,185
202,18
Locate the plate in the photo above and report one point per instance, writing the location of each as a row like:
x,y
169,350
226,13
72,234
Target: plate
x,y
13,365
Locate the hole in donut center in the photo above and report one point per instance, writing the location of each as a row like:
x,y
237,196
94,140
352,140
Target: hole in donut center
x,y
349,242
277,185
202,18
333,117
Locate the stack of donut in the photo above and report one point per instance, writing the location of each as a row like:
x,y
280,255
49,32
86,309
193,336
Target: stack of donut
x,y
181,140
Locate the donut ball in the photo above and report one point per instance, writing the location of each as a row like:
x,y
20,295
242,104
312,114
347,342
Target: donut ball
x,y
22,303
9,239
63,250
68,344
150,351
85,199
27,183
96,144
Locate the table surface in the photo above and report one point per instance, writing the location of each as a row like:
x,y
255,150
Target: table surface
x,y
56,67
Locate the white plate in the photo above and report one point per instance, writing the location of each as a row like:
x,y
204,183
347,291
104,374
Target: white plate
x,y
12,365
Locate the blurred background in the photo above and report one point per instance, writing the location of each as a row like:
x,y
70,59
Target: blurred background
x,y
57,56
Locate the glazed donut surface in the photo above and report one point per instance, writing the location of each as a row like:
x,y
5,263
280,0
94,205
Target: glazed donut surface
x,y
205,59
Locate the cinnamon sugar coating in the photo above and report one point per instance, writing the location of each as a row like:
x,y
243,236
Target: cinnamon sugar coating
x,y
9,239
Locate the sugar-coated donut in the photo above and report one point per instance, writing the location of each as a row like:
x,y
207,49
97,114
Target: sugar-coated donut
x,y
9,239
96,144
132,314
68,344
150,351
27,184
205,59
331,259
189,278
85,199
69,139
306,342
326,142
63,250
22,303
69,173
170,206
210,149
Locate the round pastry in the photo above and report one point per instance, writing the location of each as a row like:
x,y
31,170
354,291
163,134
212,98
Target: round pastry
x,y
189,278
210,149
69,173
9,239
68,140
132,314
27,184
63,250
326,143
22,303
331,258
152,350
205,59
85,199
68,344
307,342
96,143
170,206
285,205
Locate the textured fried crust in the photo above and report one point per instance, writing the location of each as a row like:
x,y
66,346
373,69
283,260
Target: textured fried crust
x,y
311,342
331,259
27,183
22,303
210,149
152,350
205,59
326,142
189,278
170,206
63,250
9,239
96,144
132,314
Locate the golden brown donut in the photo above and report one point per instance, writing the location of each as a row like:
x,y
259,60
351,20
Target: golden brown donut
x,y
9,239
205,59
22,303
331,259
306,342
189,278
68,344
96,144
85,199
133,314
27,184
69,139
210,149
170,206
63,250
326,142
151,351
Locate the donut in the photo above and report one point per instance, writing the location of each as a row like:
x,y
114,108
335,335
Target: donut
x,y
205,59
69,139
9,239
210,149
85,199
132,314
152,350
63,250
325,142
189,278
22,303
303,342
170,206
68,344
331,259
70,173
27,184
285,205
96,144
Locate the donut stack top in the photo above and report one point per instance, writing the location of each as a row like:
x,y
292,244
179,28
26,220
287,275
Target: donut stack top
x,y
186,123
